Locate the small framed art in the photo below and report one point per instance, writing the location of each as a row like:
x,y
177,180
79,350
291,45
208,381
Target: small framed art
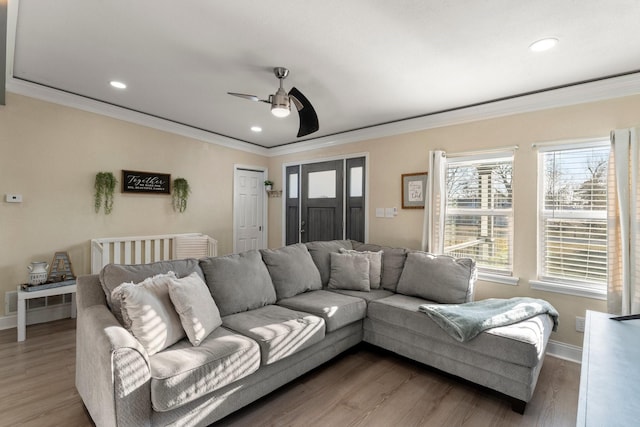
x,y
414,190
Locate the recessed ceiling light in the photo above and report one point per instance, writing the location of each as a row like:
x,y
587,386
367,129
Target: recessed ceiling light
x,y
256,128
117,84
543,44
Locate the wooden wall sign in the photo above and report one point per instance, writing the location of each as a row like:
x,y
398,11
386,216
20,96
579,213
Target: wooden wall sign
x,y
146,182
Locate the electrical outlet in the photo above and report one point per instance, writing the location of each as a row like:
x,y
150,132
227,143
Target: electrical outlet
x,y
13,198
580,324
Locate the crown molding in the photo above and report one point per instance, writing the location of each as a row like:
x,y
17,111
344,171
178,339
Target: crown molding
x,y
44,93
611,88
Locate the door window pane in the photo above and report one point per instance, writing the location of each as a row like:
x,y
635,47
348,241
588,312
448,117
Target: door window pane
x,y
293,186
355,189
322,185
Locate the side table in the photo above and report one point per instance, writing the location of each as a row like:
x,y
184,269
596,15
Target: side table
x,y
23,296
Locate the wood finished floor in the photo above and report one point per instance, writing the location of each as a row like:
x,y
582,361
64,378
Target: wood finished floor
x,y
364,387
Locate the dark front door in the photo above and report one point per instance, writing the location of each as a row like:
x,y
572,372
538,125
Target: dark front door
x,y
321,210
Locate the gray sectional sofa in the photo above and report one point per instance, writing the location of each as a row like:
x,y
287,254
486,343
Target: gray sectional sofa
x,y
189,347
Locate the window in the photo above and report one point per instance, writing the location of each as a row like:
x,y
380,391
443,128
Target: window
x,y
572,229
479,214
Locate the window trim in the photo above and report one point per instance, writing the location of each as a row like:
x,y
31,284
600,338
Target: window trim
x,y
553,284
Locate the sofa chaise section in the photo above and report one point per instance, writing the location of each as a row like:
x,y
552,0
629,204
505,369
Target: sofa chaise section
x,y
507,359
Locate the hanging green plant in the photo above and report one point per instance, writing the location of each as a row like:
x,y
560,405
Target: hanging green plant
x,y
180,194
105,187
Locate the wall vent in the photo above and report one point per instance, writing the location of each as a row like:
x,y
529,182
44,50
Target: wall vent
x,y
10,303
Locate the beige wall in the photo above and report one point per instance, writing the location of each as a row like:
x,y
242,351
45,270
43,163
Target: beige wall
x,y
390,157
50,154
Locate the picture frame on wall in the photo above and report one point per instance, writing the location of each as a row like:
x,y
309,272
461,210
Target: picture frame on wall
x,y
414,190
146,182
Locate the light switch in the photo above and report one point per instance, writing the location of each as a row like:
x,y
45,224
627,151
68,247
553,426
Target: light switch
x,y
379,212
388,212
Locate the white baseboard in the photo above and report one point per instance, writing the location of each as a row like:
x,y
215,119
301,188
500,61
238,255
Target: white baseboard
x,y
8,322
38,315
564,351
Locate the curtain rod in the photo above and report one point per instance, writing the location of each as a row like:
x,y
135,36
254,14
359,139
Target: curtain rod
x,y
481,152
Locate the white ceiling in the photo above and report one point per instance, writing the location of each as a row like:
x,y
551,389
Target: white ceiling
x,y
361,63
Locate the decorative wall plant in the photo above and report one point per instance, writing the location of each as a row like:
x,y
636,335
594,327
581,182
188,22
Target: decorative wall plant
x,y
104,186
180,195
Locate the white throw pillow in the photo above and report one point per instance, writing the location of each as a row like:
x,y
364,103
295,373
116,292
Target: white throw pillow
x,y
148,313
349,271
195,305
375,265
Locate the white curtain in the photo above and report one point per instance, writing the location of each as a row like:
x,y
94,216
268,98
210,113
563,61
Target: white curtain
x,y
435,204
623,223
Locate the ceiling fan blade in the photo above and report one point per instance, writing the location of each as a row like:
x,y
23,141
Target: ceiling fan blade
x,y
249,97
308,116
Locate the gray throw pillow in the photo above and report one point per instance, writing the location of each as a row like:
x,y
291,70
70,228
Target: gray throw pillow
x,y
392,262
238,282
321,255
148,313
349,271
113,275
375,265
198,312
292,270
438,278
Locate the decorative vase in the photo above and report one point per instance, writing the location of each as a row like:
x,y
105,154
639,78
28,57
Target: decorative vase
x,y
38,272
267,187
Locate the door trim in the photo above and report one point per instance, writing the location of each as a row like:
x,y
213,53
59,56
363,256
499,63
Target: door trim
x,y
283,234
265,214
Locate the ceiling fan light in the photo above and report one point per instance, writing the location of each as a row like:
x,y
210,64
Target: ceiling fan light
x,y
280,111
280,106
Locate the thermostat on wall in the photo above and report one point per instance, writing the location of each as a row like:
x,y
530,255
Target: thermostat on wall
x,y
13,198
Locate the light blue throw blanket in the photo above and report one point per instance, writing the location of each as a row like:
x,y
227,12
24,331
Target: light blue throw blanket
x,y
464,321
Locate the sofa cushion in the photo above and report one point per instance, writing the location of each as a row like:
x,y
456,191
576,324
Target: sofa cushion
x,y
113,275
148,313
198,312
349,271
280,332
321,255
183,373
375,265
238,282
337,310
372,295
438,278
292,270
392,262
522,343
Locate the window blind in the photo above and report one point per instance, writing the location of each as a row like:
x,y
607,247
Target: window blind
x,y
479,215
573,225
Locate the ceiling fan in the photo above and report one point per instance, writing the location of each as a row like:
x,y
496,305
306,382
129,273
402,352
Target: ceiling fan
x,y
281,104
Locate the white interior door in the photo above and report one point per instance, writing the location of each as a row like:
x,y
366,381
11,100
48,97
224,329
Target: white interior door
x,y
249,198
